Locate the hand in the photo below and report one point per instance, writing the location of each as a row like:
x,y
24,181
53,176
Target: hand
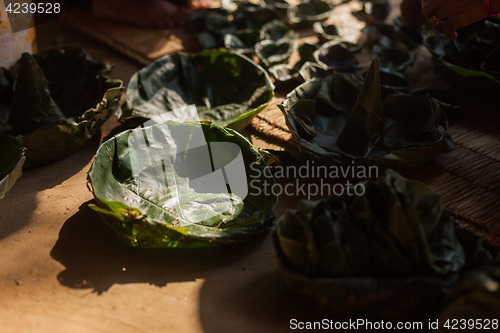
x,y
448,16
195,4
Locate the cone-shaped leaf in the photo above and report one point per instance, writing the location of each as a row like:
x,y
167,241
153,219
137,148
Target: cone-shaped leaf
x,y
335,121
32,105
274,52
365,124
308,12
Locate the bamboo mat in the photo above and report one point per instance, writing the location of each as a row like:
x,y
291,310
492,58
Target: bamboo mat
x,y
468,177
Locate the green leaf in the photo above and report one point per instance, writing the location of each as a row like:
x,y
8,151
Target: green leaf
x,y
292,76
393,59
339,56
311,70
239,28
308,12
32,105
462,78
351,126
72,67
57,100
252,16
217,21
326,32
383,253
303,70
208,40
445,98
364,126
392,83
202,17
306,52
283,73
276,30
11,162
153,188
242,40
63,137
227,89
280,7
274,52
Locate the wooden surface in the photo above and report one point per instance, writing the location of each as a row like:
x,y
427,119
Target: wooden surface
x,y
62,270
140,44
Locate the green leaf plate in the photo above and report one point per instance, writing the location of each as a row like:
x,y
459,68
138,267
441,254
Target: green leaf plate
x,y
341,119
11,162
57,100
387,252
308,12
275,52
227,88
182,185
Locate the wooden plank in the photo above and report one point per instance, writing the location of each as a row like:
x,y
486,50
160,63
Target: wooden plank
x,y
141,44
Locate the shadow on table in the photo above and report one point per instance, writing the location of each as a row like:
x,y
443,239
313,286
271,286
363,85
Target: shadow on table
x,y
95,258
258,303
252,297
21,201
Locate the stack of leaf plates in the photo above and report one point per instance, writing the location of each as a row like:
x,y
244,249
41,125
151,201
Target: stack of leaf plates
x,y
56,101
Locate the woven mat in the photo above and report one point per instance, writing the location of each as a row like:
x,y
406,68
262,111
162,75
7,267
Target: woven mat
x,y
468,177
